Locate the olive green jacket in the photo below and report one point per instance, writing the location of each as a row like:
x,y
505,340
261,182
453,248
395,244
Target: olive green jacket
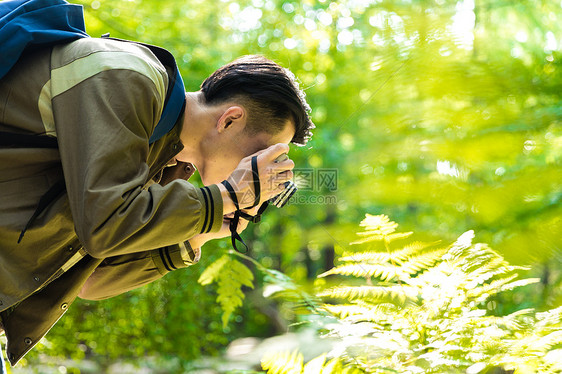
x,y
114,229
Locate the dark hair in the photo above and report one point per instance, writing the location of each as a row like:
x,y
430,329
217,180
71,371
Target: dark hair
x,y
270,93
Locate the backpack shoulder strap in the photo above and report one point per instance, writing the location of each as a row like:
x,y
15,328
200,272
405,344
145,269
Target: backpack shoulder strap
x,y
175,101
174,106
24,23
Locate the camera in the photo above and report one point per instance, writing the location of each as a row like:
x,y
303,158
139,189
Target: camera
x,y
290,188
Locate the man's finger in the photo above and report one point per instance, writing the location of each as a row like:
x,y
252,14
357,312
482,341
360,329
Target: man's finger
x,y
288,164
274,151
285,176
280,188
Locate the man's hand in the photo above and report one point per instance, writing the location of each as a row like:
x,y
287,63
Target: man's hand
x,y
272,176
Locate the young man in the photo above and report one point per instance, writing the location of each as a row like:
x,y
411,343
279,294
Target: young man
x,y
128,215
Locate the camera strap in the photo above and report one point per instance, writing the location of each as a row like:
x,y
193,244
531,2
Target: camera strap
x,y
233,225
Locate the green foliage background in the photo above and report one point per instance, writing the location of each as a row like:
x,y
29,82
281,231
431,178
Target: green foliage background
x,y
445,115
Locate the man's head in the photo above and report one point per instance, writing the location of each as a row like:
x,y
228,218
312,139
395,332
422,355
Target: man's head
x,y
243,107
269,93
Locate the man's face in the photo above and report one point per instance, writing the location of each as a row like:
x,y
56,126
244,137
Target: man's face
x,y
229,149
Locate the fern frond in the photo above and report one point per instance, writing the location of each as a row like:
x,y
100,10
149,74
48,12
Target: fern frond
x,y
282,362
333,366
234,275
351,370
425,314
550,317
464,240
460,246
370,238
479,258
548,342
379,228
380,223
385,272
315,366
521,312
370,257
361,312
212,272
535,345
292,363
487,321
230,275
519,283
230,297
378,237
488,289
399,255
412,249
480,263
422,261
346,310
397,295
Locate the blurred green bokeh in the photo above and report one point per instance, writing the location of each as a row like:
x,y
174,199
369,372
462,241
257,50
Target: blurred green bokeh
x,y
444,115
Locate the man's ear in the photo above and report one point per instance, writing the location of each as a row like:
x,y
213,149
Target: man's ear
x,y
234,117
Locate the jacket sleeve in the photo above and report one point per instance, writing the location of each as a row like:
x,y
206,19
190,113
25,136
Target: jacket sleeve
x,y
105,105
120,274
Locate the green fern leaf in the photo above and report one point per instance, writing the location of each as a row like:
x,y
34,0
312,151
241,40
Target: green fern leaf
x,y
412,249
507,322
550,317
282,362
379,228
315,366
212,271
230,275
422,261
379,223
385,272
519,283
332,367
346,310
351,370
378,237
549,341
499,285
397,295
361,311
292,363
370,257
399,256
487,289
